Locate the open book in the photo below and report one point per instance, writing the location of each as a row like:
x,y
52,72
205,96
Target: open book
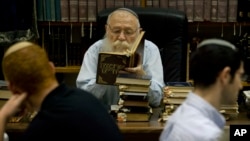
x,y
110,63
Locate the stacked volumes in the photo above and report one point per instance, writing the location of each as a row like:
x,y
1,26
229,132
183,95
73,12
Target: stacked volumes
x,y
174,93
230,111
133,103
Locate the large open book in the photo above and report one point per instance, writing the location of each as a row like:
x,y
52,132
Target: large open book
x,y
110,63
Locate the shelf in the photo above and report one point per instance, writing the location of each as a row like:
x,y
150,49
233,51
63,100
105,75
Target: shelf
x,y
68,69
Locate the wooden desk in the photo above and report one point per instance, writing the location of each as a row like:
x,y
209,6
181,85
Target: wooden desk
x,y
132,131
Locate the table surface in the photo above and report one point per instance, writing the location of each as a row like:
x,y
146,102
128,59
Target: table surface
x,y
136,127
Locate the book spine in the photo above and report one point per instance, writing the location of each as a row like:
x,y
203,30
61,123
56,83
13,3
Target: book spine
x,y
207,10
83,7
52,10
91,10
189,10
48,10
222,10
181,5
164,3
58,10
214,10
64,10
39,10
73,10
232,10
198,10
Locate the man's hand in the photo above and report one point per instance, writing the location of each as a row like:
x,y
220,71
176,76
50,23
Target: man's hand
x,y
12,106
138,69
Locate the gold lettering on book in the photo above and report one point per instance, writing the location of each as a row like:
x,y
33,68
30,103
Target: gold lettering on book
x,y
113,68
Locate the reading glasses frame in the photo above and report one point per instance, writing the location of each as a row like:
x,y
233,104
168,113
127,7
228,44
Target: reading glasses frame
x,y
126,32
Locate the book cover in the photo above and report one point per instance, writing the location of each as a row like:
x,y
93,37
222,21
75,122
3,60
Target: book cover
x,y
133,88
129,79
134,96
173,100
110,63
123,117
135,109
133,103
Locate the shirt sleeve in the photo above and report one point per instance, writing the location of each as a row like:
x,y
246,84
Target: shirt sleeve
x,y
152,65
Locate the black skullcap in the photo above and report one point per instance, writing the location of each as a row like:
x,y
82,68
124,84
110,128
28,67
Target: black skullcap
x,y
130,11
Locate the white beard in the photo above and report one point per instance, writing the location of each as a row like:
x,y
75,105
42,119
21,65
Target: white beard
x,y
117,46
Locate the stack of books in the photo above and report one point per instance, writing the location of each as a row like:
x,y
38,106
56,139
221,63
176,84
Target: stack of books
x,y
5,93
174,93
230,111
133,103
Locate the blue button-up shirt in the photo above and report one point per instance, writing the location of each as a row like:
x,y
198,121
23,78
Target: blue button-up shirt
x,y
194,120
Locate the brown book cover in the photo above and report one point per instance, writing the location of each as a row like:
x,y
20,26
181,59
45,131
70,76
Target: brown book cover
x,y
173,100
134,103
134,113
110,63
133,79
164,3
123,117
133,88
134,96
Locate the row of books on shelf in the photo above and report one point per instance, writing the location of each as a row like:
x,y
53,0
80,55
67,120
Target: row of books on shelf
x,y
196,10
77,10
176,93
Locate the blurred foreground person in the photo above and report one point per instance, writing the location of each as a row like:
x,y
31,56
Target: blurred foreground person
x,y
216,68
63,113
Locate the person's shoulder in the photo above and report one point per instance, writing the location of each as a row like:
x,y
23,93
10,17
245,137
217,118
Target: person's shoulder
x,y
150,45
95,46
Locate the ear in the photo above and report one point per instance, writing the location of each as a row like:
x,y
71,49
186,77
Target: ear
x,y
52,67
224,76
13,88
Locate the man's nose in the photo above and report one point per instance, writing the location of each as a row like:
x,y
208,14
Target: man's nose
x,y
122,36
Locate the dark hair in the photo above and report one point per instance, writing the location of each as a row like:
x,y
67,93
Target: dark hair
x,y
210,59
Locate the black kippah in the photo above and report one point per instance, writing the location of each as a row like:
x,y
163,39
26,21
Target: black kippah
x,y
130,11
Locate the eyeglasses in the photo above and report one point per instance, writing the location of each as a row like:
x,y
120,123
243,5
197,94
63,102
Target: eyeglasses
x,y
118,31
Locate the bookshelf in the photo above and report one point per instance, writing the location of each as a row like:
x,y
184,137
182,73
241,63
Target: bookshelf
x,y
80,32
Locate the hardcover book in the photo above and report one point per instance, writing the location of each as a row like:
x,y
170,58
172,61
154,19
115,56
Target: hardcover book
x,y
134,96
133,88
110,63
134,103
123,117
133,79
